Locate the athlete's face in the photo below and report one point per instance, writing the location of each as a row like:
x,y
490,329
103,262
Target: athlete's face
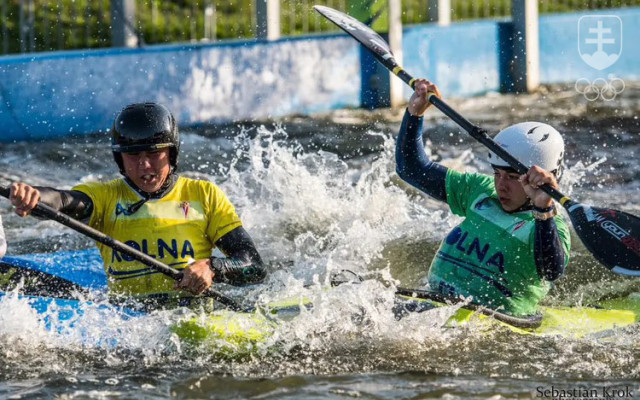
x,y
509,189
147,169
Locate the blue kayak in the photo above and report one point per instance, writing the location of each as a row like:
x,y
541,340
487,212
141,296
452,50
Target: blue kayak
x,y
81,270
62,288
58,286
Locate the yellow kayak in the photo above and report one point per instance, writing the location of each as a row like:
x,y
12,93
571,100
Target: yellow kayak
x,y
229,332
237,334
574,322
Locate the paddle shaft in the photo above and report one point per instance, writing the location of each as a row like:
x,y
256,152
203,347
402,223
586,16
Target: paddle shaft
x,y
476,132
380,50
530,322
43,210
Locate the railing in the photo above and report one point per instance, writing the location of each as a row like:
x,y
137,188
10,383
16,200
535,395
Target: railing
x,y
47,25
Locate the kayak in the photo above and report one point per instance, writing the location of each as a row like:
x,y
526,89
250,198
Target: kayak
x,y
599,319
57,286
59,282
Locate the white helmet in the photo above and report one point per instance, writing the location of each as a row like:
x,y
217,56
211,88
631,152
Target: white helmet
x,y
531,143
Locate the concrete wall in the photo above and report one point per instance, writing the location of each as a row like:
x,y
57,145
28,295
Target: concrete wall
x,y
471,58
54,94
51,95
462,58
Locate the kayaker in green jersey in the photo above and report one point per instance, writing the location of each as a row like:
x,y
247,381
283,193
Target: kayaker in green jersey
x,y
511,244
177,220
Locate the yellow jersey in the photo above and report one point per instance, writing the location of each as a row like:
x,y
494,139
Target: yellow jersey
x,y
176,229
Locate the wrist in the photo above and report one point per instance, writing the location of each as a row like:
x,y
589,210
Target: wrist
x,y
213,266
217,266
546,208
544,213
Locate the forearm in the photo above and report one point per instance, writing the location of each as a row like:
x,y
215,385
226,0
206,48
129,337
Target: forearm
x,y
71,202
237,271
412,163
243,265
549,255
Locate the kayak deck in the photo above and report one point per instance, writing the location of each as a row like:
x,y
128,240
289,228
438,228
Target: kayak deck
x,y
574,322
231,333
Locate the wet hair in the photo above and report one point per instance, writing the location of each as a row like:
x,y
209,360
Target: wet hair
x,y
557,173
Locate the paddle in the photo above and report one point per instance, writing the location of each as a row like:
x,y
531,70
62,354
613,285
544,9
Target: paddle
x,y
346,276
43,210
612,236
531,322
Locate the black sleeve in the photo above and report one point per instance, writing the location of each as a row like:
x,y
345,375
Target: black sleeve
x,y
548,251
71,202
412,163
243,265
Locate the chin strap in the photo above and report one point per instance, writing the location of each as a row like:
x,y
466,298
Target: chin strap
x,y
527,206
169,183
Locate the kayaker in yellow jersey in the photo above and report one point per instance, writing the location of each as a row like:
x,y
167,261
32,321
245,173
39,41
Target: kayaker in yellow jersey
x,y
177,220
511,243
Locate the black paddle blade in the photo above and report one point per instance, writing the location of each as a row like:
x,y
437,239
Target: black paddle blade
x,y
612,236
362,33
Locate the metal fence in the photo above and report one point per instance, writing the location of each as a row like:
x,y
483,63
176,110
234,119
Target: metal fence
x,y
416,11
46,25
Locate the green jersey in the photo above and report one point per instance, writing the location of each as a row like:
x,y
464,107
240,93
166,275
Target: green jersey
x,y
490,255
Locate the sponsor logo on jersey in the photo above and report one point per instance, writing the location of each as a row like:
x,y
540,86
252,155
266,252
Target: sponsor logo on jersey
x,y
483,204
123,210
157,249
475,248
185,209
518,226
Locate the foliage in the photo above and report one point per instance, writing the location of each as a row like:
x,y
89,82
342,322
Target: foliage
x,y
49,25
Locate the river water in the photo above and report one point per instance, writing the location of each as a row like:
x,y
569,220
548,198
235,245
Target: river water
x,y
320,194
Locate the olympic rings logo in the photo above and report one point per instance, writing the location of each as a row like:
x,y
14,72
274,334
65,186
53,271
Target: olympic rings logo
x,y
600,88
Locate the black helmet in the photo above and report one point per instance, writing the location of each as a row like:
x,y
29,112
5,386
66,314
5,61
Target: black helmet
x,y
145,127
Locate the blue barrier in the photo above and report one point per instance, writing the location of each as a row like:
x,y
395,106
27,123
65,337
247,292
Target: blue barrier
x,y
75,92
56,94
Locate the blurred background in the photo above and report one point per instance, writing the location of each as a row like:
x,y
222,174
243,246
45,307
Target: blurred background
x,y
218,62
45,25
